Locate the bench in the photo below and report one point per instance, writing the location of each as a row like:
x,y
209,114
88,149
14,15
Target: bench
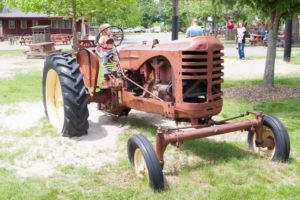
x,y
86,44
41,50
61,38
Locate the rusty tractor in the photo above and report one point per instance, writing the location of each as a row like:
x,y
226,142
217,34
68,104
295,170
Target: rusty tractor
x,y
180,80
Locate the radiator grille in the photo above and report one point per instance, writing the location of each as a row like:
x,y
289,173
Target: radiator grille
x,y
201,76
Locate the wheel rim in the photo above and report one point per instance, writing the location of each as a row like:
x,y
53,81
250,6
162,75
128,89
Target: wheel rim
x,y
54,100
268,138
139,164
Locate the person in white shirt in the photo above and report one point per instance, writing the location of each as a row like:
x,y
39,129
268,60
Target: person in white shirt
x,y
241,39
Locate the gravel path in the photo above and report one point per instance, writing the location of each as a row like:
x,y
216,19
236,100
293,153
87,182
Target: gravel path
x,y
235,69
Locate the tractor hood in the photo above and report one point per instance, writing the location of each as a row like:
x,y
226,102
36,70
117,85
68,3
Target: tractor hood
x,y
133,57
187,44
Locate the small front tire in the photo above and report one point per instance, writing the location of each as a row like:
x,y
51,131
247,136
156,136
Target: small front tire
x,y
143,157
277,138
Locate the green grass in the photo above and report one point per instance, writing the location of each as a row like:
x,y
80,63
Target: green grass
x,y
218,170
11,52
280,81
225,171
296,59
23,87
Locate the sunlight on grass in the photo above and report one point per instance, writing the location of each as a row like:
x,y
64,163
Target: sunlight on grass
x,y
295,59
22,88
11,52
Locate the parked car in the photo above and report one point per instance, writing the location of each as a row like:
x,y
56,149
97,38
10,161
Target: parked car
x,y
128,30
156,29
139,29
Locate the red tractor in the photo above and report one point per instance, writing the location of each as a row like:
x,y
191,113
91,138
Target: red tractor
x,y
180,80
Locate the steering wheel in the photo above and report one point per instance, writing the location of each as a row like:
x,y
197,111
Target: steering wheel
x,y
117,36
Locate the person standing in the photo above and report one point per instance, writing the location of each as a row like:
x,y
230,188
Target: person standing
x,y
194,30
230,24
241,39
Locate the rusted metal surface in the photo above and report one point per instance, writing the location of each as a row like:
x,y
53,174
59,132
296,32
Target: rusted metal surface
x,y
169,136
180,80
192,68
89,67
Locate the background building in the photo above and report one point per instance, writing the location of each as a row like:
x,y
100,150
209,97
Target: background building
x,y
15,22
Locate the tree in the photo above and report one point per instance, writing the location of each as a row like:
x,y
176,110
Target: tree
x,y
296,38
1,5
76,9
275,10
118,12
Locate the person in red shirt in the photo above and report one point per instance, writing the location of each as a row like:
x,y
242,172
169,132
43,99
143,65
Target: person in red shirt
x,y
230,25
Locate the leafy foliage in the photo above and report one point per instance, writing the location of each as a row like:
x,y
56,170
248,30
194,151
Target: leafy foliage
x,y
118,12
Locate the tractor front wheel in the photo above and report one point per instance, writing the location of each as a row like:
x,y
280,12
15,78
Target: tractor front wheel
x,y
275,139
64,97
146,164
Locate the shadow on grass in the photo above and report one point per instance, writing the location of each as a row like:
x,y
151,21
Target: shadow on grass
x,y
214,152
140,124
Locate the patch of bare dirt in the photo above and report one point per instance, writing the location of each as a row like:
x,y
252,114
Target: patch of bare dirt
x,y
21,116
12,64
261,94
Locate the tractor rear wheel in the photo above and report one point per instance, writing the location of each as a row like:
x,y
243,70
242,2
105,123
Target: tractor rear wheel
x,y
275,137
146,164
64,96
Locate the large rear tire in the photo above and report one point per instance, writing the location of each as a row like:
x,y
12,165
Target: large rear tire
x,y
64,95
277,138
143,157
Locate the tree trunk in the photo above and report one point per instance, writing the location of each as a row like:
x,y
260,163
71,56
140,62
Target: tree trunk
x,y
288,40
175,20
296,38
271,51
74,33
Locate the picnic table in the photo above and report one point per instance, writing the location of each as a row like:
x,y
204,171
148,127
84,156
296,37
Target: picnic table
x,y
41,50
86,44
256,39
61,38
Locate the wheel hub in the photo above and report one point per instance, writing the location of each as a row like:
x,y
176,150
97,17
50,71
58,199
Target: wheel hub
x,y
54,100
267,147
140,164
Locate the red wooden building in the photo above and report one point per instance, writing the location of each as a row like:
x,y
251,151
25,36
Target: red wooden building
x,y
15,22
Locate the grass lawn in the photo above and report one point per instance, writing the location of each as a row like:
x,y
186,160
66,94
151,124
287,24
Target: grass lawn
x,y
12,52
201,169
296,59
23,87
